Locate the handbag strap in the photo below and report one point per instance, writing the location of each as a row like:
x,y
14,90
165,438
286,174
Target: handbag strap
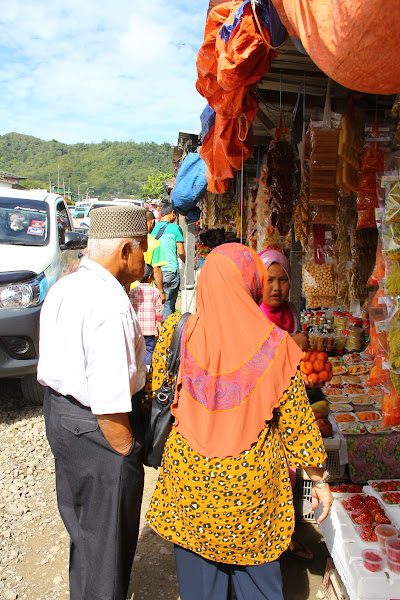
x,y
175,346
161,230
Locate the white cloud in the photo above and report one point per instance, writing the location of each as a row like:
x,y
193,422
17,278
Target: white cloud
x,y
88,71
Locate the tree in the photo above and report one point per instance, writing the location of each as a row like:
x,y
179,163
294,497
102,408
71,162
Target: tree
x,y
154,187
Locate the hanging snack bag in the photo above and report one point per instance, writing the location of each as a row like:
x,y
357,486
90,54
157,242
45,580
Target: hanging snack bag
x,y
392,205
392,285
391,240
319,284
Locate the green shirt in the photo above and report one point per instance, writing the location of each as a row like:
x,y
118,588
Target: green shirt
x,y
172,234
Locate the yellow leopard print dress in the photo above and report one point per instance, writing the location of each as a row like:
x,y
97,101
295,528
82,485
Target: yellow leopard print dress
x,y
235,510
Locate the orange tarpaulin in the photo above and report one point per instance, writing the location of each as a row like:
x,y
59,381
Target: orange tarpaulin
x,y
355,42
235,53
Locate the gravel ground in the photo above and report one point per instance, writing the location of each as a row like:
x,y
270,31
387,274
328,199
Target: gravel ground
x,y
34,544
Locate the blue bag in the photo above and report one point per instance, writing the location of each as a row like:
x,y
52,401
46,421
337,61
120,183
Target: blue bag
x,y
190,184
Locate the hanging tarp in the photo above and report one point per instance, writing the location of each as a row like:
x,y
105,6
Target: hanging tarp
x,y
237,51
355,42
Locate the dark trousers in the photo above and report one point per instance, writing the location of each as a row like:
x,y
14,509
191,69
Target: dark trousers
x,y
99,493
171,283
202,579
150,341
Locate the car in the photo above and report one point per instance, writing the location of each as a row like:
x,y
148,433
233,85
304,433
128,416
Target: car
x,y
79,212
38,246
83,226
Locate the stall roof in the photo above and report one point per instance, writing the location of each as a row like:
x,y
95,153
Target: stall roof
x,y
291,72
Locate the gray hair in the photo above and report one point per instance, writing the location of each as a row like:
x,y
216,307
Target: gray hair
x,y
103,248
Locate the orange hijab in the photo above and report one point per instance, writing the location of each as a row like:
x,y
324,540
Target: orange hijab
x,y
235,363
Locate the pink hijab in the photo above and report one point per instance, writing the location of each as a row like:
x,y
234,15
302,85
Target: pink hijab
x,y
281,315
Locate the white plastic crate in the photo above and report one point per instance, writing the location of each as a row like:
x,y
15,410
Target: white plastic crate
x,y
333,466
302,492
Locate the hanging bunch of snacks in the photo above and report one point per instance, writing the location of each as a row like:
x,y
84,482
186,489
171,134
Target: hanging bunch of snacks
x,y
345,225
363,251
323,165
350,150
262,207
302,217
252,218
281,180
372,162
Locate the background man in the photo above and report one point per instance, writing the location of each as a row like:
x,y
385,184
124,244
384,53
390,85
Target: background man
x,y
171,240
154,256
91,359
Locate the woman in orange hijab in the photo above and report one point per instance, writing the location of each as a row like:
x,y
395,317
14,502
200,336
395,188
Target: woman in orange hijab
x,y
241,413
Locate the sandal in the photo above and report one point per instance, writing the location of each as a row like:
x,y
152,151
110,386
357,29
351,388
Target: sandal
x,y
299,550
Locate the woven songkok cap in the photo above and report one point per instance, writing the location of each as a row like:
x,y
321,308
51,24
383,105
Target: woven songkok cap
x,y
117,222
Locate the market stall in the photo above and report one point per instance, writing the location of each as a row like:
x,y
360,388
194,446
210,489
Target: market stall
x,y
302,164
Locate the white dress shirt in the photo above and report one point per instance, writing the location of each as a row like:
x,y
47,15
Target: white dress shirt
x,y
91,346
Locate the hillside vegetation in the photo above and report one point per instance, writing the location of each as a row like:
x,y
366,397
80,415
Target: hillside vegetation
x,y
109,167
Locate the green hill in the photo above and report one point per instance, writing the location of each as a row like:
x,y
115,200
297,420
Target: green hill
x,y
109,167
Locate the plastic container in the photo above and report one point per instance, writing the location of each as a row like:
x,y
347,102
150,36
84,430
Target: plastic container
x,y
339,321
383,533
355,341
321,342
330,343
393,566
373,560
340,342
393,549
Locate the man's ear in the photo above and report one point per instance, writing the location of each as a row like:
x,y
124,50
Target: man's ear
x,y
125,250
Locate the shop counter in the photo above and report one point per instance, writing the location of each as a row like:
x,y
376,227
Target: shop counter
x,y
369,456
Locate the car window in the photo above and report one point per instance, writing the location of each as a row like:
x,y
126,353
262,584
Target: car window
x,y
24,222
63,221
97,206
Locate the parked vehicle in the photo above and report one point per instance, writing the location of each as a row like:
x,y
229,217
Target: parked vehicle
x,y
38,245
83,226
79,212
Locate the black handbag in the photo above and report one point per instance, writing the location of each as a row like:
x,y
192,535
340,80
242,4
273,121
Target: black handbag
x,y
159,419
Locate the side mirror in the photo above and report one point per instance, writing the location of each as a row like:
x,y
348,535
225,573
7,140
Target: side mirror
x,y
74,241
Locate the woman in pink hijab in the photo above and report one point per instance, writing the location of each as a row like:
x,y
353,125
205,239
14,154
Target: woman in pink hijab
x,y
276,292
284,314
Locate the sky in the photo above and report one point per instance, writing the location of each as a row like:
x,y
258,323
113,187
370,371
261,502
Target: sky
x,y
93,70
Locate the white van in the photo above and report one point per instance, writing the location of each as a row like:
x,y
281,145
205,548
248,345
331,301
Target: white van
x,y
83,226
38,245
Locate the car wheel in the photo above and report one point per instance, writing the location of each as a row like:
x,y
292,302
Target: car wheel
x,y
32,391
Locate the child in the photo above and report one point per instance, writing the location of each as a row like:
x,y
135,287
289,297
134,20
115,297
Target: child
x,y
146,301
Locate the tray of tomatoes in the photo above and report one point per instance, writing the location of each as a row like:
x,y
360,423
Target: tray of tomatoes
x,y
365,512
345,490
391,498
316,367
385,485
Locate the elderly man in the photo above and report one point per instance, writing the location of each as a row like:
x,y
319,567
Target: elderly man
x,y
92,362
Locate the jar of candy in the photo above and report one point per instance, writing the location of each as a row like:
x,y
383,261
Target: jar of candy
x,y
330,343
340,321
355,341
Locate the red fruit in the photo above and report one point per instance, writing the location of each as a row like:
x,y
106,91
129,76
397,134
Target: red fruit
x,y
346,505
356,501
325,427
318,415
382,519
355,488
367,533
364,518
